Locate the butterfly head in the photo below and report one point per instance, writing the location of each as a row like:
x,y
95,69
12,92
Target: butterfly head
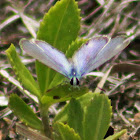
x,y
74,80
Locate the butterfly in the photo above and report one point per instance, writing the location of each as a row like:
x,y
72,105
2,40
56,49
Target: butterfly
x,y
88,57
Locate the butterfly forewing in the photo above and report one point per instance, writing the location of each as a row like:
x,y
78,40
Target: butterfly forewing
x,y
84,57
47,55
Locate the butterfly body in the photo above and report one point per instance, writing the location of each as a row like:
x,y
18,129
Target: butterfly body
x,y
74,78
90,55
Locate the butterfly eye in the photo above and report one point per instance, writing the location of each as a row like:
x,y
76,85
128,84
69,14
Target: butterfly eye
x,y
77,81
71,81
74,81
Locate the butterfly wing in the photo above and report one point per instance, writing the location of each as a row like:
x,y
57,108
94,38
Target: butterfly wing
x,y
99,54
84,57
115,46
47,55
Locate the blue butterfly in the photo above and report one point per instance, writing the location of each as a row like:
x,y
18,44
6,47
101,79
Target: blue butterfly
x,y
91,55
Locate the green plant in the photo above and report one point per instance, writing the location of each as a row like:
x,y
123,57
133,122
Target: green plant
x,y
60,27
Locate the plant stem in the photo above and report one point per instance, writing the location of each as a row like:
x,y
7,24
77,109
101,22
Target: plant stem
x,y
45,121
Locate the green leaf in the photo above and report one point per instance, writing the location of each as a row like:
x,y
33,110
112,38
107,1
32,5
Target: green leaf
x,y
24,112
57,80
60,26
62,93
84,100
75,116
23,74
74,46
98,112
116,136
64,132
62,116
